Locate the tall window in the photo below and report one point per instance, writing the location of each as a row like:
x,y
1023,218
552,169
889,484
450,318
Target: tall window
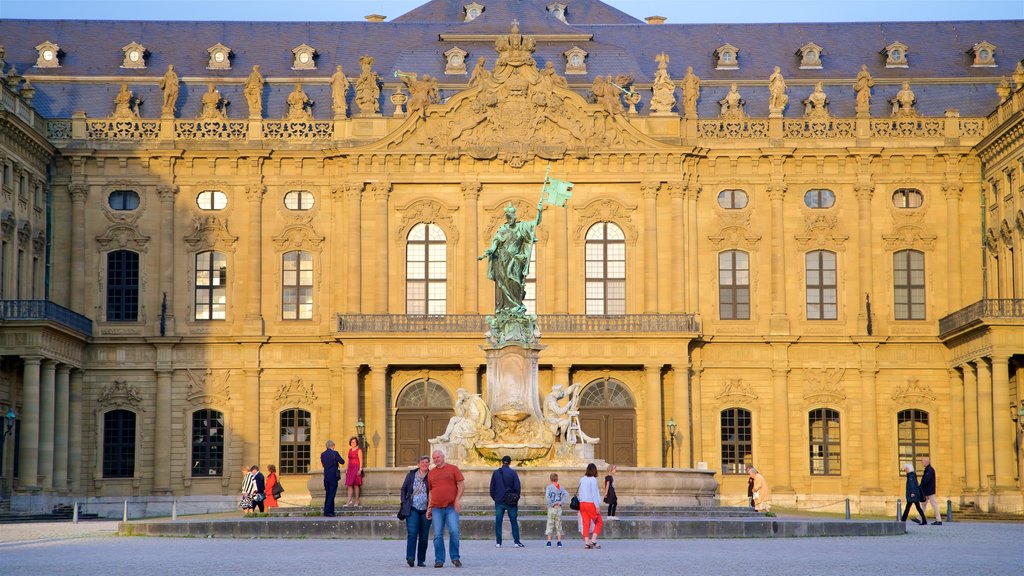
x,y
211,286
734,285
908,284
530,300
122,286
737,446
426,270
207,443
297,286
119,444
295,448
912,436
606,269
825,444
821,285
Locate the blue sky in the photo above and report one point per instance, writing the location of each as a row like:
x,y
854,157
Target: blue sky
x,y
677,11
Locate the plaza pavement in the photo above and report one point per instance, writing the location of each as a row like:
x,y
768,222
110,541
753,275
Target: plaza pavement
x,y
974,549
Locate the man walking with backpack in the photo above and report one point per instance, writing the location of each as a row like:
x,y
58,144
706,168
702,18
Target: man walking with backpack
x,y
505,491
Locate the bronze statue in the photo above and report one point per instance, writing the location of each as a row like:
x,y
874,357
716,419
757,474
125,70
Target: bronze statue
x,y
508,260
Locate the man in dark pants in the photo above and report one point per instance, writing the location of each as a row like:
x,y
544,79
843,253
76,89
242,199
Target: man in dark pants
x,y
331,461
260,487
928,490
750,487
505,482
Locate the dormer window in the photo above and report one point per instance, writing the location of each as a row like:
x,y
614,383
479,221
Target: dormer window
x,y
473,11
576,60
984,55
810,56
134,56
303,57
49,55
558,11
728,57
455,61
896,55
220,57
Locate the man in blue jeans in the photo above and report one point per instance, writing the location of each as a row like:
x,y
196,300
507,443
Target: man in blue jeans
x,y
446,485
505,491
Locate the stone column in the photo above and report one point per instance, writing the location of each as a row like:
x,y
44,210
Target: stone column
x,y
353,249
377,407
470,195
46,418
79,194
972,454
167,195
162,434
559,251
696,409
865,256
253,310
251,416
1003,434
335,254
62,401
681,411
75,432
561,375
986,449
780,415
652,393
381,192
28,459
649,192
350,405
336,383
779,320
953,192
470,380
693,284
956,429
678,272
869,425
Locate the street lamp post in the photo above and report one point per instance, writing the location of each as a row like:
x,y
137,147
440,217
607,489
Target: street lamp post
x,y
361,440
9,420
672,441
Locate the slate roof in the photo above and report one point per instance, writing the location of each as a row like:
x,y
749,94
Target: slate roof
x,y
621,45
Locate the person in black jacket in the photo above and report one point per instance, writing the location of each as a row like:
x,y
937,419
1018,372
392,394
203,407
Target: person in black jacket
x,y
505,491
928,490
331,460
415,496
259,487
913,495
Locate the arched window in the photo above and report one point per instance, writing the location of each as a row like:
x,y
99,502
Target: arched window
x,y
122,200
426,271
122,286
908,285
299,200
211,286
119,444
821,285
907,198
825,442
819,198
297,285
734,285
912,436
295,438
737,443
732,199
207,443
606,269
212,200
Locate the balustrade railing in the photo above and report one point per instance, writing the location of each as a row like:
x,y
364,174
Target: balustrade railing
x,y
14,310
994,308
547,323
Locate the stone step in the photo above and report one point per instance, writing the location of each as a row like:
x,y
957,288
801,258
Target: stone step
x,y
974,516
628,512
21,518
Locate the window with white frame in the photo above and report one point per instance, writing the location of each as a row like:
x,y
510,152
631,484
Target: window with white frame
x,y
605,270
211,292
821,285
297,285
426,271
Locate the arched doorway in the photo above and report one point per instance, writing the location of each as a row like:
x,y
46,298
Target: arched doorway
x,y
607,412
422,412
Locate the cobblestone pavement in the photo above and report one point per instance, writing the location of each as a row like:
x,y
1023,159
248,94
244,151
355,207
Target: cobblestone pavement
x,y
91,548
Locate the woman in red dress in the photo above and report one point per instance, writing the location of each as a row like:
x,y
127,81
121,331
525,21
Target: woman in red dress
x,y
271,502
354,472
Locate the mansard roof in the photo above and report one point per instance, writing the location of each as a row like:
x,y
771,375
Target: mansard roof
x,y
531,14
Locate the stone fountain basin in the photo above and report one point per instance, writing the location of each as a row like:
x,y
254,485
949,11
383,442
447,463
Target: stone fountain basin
x,y
517,452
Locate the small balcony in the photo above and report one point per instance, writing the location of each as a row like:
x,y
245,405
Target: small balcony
x,y
44,311
465,324
1000,311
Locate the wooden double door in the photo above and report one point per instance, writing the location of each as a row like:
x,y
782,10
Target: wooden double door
x,y
616,427
413,428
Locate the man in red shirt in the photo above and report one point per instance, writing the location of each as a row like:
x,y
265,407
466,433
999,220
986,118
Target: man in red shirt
x,y
446,485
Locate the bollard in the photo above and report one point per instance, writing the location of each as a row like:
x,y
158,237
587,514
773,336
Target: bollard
x,y
847,508
74,514
899,509
949,510
174,509
124,515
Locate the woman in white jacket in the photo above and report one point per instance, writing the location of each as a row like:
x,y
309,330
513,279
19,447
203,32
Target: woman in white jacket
x,y
590,498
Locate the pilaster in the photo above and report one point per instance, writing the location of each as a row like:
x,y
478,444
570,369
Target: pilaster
x,y
1003,434
649,192
779,320
677,277
986,449
75,431
376,424
953,192
47,389
28,454
253,316
162,433
60,428
470,197
353,251
972,455
381,192
653,408
167,196
79,194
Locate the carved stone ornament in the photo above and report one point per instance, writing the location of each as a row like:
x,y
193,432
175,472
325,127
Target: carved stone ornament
x,y
821,231
575,60
606,210
220,57
473,11
810,56
455,61
120,394
303,57
824,385
295,391
7,223
515,113
736,389
909,231
664,90
429,212
984,54
298,237
732,105
914,390
727,57
24,233
121,236
895,55
525,211
48,55
735,231
210,232
557,10
208,387
134,55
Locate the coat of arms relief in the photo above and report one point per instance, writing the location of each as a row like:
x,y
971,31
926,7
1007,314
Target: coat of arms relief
x,y
516,111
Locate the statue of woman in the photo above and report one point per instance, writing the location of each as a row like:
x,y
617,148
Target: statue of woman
x,y
863,88
691,91
123,104
297,101
777,91
339,90
169,84
472,418
368,87
211,104
254,93
508,260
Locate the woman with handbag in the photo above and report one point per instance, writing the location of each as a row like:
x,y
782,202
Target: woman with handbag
x,y
415,493
273,487
590,498
248,483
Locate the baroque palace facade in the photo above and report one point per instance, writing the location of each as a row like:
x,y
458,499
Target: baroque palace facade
x,y
793,246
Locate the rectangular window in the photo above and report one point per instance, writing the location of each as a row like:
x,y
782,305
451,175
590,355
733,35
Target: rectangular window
x,y
207,443
119,444
211,286
737,443
295,441
912,437
122,286
821,285
908,285
297,286
825,446
734,285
